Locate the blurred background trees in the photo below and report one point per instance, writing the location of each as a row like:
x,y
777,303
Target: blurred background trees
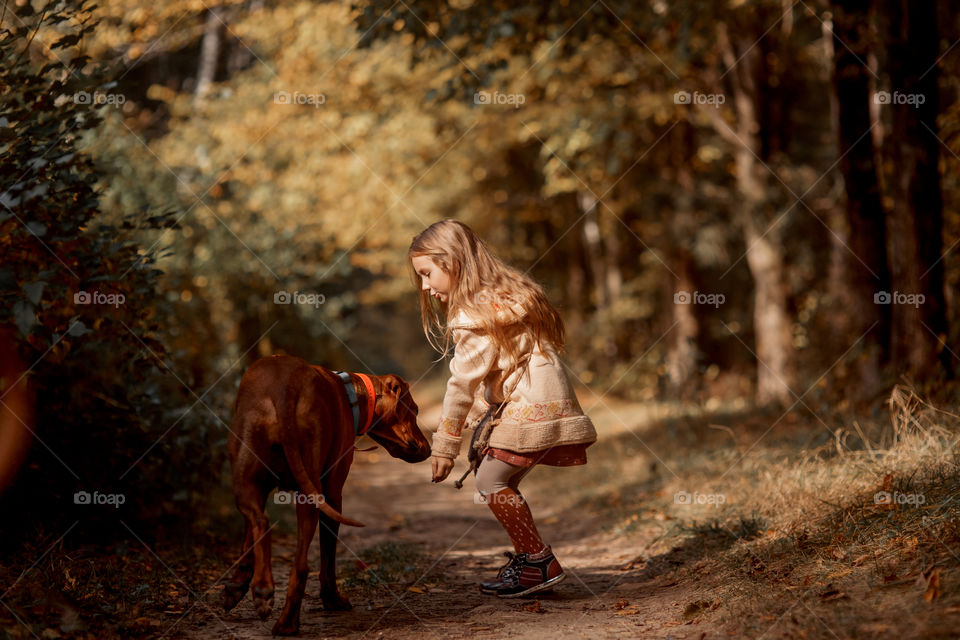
x,y
717,196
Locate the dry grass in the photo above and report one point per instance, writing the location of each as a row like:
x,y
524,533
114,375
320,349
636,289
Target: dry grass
x,y
792,535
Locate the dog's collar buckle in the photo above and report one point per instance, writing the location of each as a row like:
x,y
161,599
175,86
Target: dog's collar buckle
x,y
355,402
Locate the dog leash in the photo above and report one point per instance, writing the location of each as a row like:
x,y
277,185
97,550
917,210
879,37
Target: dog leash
x,y
481,432
355,403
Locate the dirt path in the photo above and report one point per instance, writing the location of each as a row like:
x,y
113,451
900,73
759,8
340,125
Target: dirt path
x,y
463,543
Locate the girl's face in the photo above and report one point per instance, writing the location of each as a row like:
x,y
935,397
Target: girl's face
x,y
433,278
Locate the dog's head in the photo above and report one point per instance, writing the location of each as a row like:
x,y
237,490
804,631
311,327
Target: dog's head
x,y
395,421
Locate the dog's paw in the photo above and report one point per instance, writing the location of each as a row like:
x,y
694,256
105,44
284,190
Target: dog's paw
x,y
263,601
336,602
283,628
232,595
264,607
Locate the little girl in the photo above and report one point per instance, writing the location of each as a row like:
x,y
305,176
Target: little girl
x,y
506,336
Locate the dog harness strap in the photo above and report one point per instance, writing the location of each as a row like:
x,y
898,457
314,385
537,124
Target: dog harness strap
x,y
371,401
352,397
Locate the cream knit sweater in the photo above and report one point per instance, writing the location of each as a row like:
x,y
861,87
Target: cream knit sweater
x,y
542,411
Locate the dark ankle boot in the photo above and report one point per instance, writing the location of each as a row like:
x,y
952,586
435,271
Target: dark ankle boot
x,y
526,573
505,573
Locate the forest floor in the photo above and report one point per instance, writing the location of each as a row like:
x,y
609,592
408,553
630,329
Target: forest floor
x,y
799,548
782,536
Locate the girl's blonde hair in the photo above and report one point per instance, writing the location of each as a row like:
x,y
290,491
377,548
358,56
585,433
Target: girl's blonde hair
x,y
477,279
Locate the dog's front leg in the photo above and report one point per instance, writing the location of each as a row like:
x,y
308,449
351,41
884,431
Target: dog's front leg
x,y
288,623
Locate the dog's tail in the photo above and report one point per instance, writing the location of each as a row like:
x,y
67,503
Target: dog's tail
x,y
299,470
292,452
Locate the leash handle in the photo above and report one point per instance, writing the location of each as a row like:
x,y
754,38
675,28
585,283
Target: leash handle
x,y
459,483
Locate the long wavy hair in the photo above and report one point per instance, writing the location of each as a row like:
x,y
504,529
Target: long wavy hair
x,y
481,285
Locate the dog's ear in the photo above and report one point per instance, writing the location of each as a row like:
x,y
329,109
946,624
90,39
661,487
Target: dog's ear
x,y
394,385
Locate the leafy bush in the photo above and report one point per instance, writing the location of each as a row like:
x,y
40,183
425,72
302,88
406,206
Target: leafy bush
x,y
80,291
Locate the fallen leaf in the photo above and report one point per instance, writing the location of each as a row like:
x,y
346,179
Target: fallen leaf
x,y
832,593
860,560
533,607
70,580
415,589
621,603
695,608
933,585
839,574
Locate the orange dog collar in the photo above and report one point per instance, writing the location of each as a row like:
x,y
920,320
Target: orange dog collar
x,y
351,390
371,402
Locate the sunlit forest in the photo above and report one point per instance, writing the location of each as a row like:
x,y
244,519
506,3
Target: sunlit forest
x,y
746,212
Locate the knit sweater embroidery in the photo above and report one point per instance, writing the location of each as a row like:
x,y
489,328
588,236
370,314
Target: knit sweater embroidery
x,y
542,411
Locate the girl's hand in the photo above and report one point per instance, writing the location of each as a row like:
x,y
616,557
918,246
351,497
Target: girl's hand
x,y
441,468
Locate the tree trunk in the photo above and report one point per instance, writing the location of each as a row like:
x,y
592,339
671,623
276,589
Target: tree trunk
x,y
915,221
611,252
683,349
866,274
209,52
771,322
569,254
764,246
594,247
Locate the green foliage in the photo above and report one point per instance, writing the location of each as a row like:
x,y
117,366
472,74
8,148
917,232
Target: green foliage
x,y
79,289
386,564
290,197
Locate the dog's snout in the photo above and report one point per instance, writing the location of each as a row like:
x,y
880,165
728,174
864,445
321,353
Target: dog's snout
x,y
421,452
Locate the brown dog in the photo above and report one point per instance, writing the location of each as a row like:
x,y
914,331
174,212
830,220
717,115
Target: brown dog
x,y
294,428
17,400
